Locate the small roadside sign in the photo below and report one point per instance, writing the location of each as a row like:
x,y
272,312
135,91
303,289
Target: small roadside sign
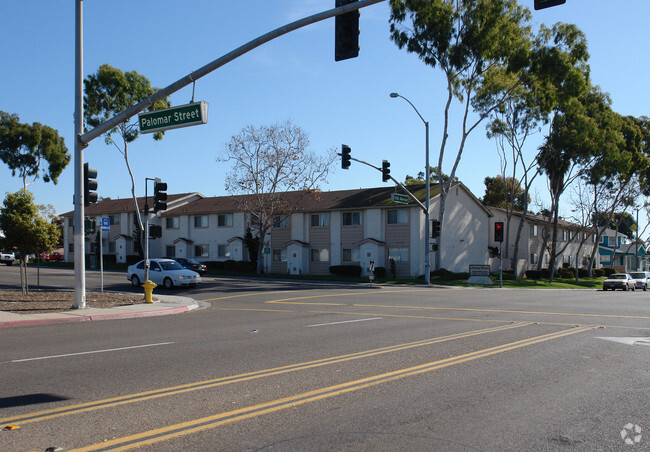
x,y
396,197
106,224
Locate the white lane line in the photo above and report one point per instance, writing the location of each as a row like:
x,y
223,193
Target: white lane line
x,y
90,352
345,321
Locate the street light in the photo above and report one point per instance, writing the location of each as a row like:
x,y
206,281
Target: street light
x,y
427,171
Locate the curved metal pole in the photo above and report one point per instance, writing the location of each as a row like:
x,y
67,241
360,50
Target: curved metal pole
x,y
427,216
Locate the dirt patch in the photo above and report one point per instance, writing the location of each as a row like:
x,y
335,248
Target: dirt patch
x,y
61,300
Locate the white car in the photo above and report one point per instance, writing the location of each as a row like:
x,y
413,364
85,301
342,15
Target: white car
x,y
164,272
641,279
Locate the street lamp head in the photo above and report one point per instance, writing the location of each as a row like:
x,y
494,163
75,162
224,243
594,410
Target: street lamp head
x,y
394,95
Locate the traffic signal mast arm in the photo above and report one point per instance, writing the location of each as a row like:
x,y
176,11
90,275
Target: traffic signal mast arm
x,y
424,209
216,64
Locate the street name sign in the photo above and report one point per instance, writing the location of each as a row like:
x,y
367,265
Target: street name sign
x,y
396,197
174,117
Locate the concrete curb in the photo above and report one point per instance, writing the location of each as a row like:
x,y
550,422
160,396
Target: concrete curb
x,y
168,305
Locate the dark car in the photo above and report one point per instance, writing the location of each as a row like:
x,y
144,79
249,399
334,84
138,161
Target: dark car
x,y
192,264
621,281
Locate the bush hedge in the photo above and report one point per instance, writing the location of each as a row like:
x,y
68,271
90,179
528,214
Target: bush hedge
x,y
346,270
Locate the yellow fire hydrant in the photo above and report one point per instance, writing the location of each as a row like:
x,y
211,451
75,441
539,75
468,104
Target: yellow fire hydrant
x,y
149,286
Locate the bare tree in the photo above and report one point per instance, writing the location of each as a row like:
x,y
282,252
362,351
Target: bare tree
x,y
268,162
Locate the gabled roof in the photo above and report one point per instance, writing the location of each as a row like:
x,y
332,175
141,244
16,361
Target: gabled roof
x,y
114,206
538,219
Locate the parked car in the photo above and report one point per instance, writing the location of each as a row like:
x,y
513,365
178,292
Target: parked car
x,y
165,272
7,258
55,257
641,279
621,281
192,264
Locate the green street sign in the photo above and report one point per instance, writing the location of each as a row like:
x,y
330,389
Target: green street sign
x,y
173,118
403,199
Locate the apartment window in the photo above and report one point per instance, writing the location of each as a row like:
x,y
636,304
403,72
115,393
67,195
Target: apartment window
x,y
319,220
111,247
564,235
114,219
398,216
201,221
201,251
351,255
320,255
533,258
224,220
71,247
280,255
170,251
547,259
351,218
533,230
172,223
223,251
281,222
398,254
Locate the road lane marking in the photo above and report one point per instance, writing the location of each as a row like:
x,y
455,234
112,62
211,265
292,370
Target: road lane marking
x,y
174,390
344,321
88,352
503,311
209,422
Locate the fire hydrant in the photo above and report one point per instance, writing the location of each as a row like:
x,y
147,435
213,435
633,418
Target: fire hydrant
x,y
149,286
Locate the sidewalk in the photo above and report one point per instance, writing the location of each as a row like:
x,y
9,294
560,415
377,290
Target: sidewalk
x,y
166,306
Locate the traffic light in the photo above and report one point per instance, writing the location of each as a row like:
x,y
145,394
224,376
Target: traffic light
x,y
435,229
345,156
498,231
541,4
159,196
385,170
90,184
155,231
90,225
346,33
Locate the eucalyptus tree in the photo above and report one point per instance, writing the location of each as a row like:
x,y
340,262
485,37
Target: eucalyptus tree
x,y
556,71
25,148
479,45
109,92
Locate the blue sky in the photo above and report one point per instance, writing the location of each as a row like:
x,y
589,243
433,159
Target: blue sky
x,y
292,78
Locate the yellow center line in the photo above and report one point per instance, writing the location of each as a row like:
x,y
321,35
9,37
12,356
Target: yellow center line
x,y
502,311
216,420
165,392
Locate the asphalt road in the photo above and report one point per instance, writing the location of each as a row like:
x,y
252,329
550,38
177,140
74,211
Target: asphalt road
x,y
310,367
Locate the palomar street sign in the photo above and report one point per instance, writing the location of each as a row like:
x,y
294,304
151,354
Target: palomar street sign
x,y
173,118
396,197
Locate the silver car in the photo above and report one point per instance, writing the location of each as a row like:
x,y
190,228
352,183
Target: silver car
x,y
165,272
641,279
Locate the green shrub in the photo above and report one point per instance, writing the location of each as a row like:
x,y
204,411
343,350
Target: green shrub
x,y
533,274
230,265
346,270
380,272
607,271
244,267
133,259
565,273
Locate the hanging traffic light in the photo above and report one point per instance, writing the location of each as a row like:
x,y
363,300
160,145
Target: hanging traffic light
x,y
541,4
90,184
159,196
345,156
155,231
498,231
435,229
385,170
346,33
